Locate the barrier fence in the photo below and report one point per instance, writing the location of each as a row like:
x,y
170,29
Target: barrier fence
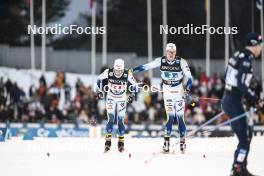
x,y
31,130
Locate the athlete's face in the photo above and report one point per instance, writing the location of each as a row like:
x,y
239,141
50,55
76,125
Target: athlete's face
x,y
171,54
118,72
258,50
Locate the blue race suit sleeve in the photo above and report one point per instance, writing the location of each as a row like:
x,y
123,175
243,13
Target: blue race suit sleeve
x,y
154,64
187,74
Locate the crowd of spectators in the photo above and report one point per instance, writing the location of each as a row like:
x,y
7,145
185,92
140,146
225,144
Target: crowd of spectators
x,y
42,104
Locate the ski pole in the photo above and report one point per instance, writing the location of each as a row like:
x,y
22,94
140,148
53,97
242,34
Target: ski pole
x,y
208,122
196,98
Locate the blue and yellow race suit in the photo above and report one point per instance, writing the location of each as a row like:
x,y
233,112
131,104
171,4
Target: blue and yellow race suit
x,y
116,98
176,77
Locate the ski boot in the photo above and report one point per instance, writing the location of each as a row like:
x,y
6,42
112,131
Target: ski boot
x,y
239,170
182,145
120,144
107,142
166,145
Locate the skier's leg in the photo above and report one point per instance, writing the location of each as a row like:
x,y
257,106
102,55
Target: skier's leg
x,y
121,112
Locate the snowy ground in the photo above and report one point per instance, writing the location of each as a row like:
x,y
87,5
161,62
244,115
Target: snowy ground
x,y
83,156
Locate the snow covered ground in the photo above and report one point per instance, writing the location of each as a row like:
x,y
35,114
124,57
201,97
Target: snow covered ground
x,y
84,156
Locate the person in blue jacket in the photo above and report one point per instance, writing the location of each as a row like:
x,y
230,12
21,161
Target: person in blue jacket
x,y
238,77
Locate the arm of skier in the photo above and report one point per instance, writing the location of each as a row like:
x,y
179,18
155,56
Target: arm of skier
x,y
151,65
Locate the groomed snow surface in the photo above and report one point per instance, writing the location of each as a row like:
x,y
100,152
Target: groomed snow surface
x,y
84,156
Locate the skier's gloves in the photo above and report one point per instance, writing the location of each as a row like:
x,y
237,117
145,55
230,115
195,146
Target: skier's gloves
x,y
130,98
100,95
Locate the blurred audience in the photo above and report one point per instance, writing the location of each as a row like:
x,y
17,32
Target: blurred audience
x,y
55,103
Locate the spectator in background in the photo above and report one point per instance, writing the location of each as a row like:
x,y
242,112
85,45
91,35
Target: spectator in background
x,y
2,97
8,87
67,92
42,89
78,84
82,117
59,79
2,85
54,115
203,78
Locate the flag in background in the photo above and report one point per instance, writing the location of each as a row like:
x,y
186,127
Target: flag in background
x,y
91,3
259,4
